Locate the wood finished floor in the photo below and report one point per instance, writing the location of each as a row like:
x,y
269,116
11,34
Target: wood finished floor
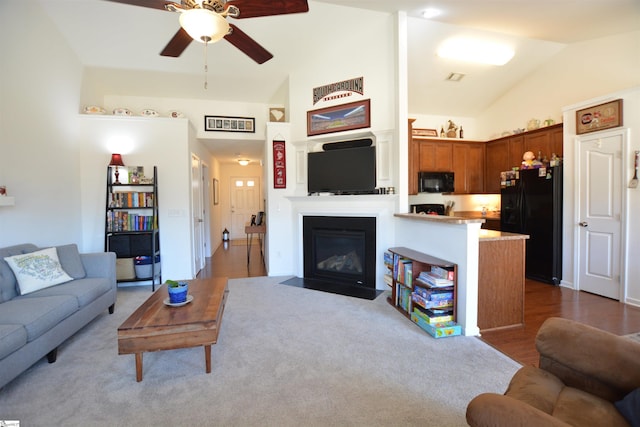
x,y
541,302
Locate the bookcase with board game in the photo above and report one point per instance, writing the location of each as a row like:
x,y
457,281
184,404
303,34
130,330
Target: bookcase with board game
x,y
423,288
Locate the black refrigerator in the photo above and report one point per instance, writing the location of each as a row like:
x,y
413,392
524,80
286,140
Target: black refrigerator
x,y
532,205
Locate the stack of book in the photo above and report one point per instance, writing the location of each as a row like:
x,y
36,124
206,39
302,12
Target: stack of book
x,y
436,278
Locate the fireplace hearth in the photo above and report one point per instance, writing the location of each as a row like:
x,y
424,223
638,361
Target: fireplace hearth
x,y
340,255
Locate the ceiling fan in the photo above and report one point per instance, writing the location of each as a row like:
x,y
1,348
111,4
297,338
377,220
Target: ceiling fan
x,y
205,21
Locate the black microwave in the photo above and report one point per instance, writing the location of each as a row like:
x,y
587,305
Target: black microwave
x,y
435,182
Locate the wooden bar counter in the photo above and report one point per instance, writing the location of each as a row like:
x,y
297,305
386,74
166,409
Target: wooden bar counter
x,y
501,270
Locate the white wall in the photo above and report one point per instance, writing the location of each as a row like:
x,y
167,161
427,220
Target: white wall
x,y
147,142
39,159
580,71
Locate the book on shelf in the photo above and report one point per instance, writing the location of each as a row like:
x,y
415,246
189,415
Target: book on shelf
x,y
431,280
445,303
442,272
404,298
401,269
126,221
388,279
433,294
388,259
430,316
130,199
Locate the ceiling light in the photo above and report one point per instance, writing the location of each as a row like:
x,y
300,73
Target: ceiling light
x,y
474,50
204,25
243,162
431,13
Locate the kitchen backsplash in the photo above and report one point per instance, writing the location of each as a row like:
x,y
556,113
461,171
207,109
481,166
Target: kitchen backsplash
x,y
466,202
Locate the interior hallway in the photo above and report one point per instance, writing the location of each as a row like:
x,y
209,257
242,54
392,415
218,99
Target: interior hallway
x,y
541,301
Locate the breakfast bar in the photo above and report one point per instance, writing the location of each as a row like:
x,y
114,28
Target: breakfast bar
x,y
491,266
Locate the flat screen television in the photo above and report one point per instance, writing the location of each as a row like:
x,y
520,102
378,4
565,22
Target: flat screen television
x,y
342,171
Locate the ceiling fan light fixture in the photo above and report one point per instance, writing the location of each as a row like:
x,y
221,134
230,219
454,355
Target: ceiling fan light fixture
x,y
204,25
243,162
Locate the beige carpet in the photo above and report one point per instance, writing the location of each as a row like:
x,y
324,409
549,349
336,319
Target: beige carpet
x,y
286,356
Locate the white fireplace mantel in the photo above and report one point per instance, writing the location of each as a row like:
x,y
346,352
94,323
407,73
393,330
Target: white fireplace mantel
x,y
380,206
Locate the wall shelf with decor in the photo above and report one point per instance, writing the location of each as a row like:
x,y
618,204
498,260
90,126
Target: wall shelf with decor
x,y
132,229
423,288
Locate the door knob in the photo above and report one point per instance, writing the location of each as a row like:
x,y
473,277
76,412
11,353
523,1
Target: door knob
x,y
583,224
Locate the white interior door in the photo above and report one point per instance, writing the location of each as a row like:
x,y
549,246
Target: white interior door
x,y
600,211
198,214
245,201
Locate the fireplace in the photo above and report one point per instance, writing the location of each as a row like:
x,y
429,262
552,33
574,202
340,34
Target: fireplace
x,y
340,254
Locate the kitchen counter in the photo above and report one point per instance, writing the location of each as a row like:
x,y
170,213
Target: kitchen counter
x,y
477,214
439,218
488,235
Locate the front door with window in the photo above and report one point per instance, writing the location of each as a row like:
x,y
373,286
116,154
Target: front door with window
x,y
245,201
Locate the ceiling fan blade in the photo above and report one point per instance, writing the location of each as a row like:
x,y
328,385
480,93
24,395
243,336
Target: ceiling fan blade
x,y
255,8
152,4
177,44
248,45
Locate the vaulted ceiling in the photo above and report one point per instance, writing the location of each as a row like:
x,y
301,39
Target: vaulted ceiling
x,y
120,44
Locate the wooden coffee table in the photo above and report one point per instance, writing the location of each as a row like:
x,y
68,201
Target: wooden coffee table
x,y
155,326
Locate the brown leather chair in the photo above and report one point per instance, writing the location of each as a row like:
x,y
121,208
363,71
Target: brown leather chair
x,y
583,372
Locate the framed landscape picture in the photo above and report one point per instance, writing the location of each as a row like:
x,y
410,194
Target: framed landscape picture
x,y
355,115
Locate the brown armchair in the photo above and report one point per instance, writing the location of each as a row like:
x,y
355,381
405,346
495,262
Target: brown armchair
x,y
583,372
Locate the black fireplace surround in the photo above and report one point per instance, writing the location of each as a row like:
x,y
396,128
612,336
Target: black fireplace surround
x,y
340,255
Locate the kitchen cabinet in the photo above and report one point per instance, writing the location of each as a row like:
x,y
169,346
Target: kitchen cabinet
x,y
497,160
546,141
506,153
435,156
412,170
468,167
477,165
501,280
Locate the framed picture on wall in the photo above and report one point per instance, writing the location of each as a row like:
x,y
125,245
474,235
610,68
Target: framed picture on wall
x,y
355,115
216,191
229,124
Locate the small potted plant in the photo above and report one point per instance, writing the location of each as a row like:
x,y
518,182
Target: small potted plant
x,y
177,291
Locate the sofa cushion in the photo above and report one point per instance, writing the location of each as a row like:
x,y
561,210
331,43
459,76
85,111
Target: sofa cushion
x,y
70,260
547,393
629,407
579,408
8,283
37,315
535,387
84,290
37,270
12,337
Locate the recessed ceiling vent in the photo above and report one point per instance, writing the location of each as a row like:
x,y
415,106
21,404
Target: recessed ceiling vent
x,y
455,77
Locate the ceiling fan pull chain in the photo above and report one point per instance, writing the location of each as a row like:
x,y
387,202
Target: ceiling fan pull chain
x,y
206,67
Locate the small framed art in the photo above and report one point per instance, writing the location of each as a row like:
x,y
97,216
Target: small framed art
x,y
229,124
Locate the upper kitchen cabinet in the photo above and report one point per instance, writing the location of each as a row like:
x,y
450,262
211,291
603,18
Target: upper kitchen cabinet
x,y
497,160
434,155
468,166
506,153
544,141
